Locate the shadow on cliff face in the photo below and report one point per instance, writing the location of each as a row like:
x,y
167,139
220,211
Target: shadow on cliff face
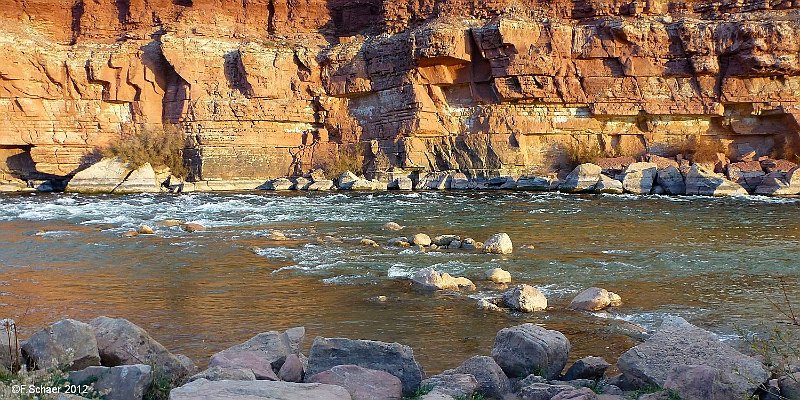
x,y
352,17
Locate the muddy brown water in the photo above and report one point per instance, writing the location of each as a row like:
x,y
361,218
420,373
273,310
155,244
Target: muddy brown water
x,y
716,262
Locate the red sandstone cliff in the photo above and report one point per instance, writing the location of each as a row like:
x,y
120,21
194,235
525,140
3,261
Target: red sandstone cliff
x,y
263,87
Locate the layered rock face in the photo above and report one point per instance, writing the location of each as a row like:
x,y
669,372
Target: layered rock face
x,y
271,88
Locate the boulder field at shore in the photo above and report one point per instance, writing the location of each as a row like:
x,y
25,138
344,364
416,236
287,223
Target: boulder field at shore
x,y
527,362
665,177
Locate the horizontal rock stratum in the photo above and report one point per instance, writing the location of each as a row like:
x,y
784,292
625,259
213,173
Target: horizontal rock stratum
x,y
270,88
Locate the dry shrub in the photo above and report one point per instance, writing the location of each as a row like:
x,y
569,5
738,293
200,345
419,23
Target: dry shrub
x,y
578,153
350,158
161,147
702,149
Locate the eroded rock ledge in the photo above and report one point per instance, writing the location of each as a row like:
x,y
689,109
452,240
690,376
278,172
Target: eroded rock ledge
x,y
265,89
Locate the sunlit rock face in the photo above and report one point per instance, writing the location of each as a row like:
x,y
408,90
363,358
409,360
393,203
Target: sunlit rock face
x,y
277,87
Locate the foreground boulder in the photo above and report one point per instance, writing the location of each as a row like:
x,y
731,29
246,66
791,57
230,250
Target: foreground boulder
x,y
430,279
780,183
253,390
264,354
499,243
700,382
453,385
492,381
121,342
126,382
362,383
225,374
525,298
702,182
679,343
587,368
582,179
67,343
526,349
393,358
543,391
609,185
595,299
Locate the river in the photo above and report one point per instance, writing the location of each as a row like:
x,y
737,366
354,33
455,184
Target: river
x,y
715,261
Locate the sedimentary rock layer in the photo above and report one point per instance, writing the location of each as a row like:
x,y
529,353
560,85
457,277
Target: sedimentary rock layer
x,y
276,87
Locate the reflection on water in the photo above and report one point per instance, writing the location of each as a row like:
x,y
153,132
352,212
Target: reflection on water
x,y
713,261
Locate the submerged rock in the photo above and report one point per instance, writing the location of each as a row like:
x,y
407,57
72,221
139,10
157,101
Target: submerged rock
x,y
362,383
679,343
203,389
525,298
192,227
393,358
392,226
145,230
67,343
526,349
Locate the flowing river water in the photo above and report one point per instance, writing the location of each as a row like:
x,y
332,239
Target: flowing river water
x,y
716,262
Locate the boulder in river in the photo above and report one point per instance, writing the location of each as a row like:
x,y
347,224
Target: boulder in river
x,y
141,180
609,185
101,177
780,183
392,226
203,389
145,230
582,179
124,382
362,383
431,279
640,177
279,184
679,343
394,358
525,298
537,183
526,349
192,227
421,239
67,343
498,275
671,180
121,342
499,243
700,181
594,299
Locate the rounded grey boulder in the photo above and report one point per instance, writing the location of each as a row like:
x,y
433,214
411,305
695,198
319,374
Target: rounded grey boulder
x,y
526,349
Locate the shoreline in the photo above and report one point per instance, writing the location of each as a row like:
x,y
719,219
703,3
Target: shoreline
x,y
121,360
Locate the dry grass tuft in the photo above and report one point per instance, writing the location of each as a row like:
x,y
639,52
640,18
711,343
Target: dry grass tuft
x,y
161,147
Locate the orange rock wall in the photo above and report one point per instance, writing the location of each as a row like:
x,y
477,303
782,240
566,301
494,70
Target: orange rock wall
x,y
273,87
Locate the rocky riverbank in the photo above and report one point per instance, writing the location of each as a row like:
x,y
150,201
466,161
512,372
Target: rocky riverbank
x,y
658,175
119,360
